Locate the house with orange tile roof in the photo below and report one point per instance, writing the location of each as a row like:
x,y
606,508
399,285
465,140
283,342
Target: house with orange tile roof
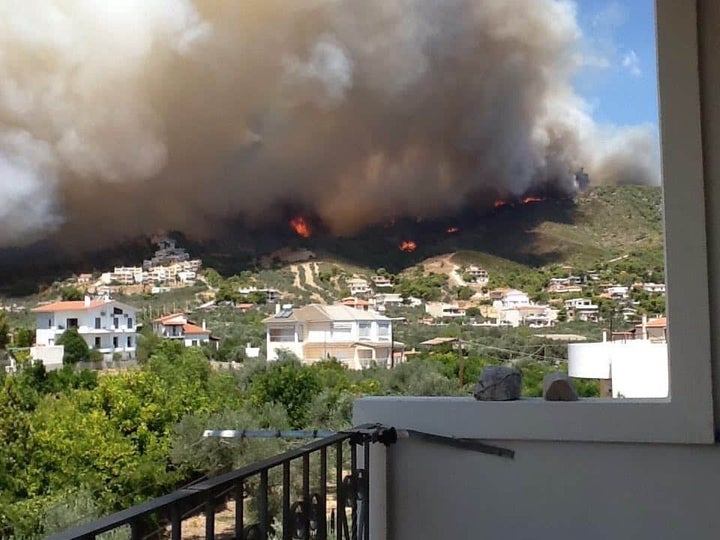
x,y
106,325
178,326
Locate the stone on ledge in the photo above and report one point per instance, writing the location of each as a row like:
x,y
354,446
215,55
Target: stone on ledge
x,y
498,383
558,387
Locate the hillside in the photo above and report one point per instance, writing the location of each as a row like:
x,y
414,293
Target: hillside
x,y
601,224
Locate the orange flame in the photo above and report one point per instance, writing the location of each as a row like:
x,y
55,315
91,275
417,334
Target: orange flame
x,y
499,203
301,227
531,199
452,230
408,246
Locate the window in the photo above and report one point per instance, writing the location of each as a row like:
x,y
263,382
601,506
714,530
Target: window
x,y
342,331
71,323
365,328
194,342
117,311
97,343
115,342
687,416
129,323
116,322
129,341
98,323
384,331
283,334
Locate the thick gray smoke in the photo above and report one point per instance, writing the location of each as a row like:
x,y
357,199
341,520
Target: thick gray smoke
x,y
122,117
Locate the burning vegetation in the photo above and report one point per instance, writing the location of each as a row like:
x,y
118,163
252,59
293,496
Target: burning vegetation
x,y
408,246
301,227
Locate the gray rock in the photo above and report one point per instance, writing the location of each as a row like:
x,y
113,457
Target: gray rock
x,y
498,383
558,387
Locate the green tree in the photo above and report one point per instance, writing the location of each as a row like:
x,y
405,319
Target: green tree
x,y
4,330
76,349
289,384
24,337
70,294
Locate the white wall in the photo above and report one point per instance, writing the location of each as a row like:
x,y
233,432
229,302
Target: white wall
x,y
553,490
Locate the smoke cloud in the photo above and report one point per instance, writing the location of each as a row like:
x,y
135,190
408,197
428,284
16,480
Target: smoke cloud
x,y
122,117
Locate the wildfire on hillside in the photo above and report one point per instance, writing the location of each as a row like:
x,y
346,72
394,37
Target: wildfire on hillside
x,y
531,199
528,199
301,227
499,203
453,230
408,246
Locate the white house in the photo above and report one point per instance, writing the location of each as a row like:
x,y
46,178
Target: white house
x,y
127,275
314,332
442,310
618,291
479,275
106,325
358,286
514,298
582,309
178,326
656,288
382,282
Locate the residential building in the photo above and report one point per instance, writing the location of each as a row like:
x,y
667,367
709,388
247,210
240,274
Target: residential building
x,y
514,298
534,316
167,253
314,332
656,288
358,286
564,289
479,275
582,309
618,291
382,282
272,295
106,325
178,326
127,275
84,279
441,310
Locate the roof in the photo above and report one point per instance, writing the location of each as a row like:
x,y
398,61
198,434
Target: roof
x,y
439,341
172,319
321,313
72,305
190,328
660,322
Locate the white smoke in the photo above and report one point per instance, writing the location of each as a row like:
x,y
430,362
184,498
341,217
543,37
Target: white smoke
x,y
121,117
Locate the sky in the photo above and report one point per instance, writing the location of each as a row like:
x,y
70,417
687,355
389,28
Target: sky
x,y
619,77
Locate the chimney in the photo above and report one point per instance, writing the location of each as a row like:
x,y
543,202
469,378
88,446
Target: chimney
x,y
204,325
277,308
644,327
87,301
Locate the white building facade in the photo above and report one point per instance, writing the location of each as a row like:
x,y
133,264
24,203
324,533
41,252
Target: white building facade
x,y
358,339
177,326
106,325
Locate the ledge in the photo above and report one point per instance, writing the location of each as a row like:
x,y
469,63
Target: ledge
x,y
599,420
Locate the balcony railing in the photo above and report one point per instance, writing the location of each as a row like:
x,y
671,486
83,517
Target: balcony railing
x,y
313,515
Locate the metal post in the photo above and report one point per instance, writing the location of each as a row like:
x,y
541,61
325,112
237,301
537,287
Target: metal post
x,y
176,523
263,504
322,511
354,504
210,519
239,509
339,497
286,518
306,495
366,491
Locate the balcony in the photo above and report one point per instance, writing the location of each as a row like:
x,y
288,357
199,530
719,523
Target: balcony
x,y
333,474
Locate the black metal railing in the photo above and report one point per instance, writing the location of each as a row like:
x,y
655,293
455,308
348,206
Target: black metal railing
x,y
305,511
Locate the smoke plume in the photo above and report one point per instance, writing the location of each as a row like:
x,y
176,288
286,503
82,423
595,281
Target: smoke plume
x,y
122,117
